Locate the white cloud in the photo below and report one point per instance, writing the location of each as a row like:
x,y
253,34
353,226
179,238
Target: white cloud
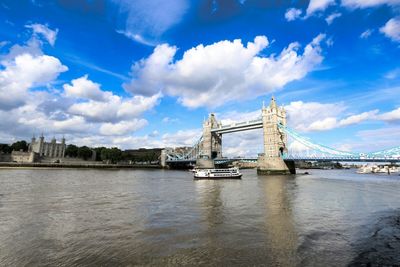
x,y
75,123
329,42
169,120
301,115
297,147
83,112
330,123
32,47
28,118
292,14
391,116
4,43
355,119
225,71
332,17
85,63
393,74
367,33
177,139
136,37
148,73
181,138
243,144
115,108
368,3
392,29
377,139
84,88
318,5
24,72
323,125
149,19
48,34
123,127
235,116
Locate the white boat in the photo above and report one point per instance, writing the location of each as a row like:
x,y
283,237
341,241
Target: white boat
x,y
377,169
365,169
231,173
382,169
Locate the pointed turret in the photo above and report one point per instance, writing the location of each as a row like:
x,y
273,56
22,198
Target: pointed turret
x,y
272,104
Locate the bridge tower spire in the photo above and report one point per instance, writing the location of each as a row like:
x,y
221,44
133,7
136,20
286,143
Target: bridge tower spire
x,y
275,141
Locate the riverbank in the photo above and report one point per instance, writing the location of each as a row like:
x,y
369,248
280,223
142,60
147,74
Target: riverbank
x,y
76,165
382,247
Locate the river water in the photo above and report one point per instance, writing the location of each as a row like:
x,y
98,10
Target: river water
x,y
65,217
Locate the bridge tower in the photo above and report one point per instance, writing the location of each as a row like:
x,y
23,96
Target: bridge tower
x,y
211,146
275,142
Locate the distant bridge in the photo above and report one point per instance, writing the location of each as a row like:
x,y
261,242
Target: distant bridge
x,y
314,152
273,121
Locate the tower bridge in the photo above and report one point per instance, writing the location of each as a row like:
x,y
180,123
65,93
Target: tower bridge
x,y
277,158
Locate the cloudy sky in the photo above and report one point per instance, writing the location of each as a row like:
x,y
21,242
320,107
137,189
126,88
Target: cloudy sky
x,y
145,73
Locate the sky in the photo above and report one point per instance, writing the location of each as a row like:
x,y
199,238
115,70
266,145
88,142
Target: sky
x,y
145,73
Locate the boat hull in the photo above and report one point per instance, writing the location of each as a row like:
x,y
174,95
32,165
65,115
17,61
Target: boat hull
x,y
217,177
217,174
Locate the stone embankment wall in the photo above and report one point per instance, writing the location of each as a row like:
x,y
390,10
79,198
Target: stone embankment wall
x,y
63,165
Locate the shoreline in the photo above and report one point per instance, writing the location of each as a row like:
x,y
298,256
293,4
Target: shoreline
x,y
14,165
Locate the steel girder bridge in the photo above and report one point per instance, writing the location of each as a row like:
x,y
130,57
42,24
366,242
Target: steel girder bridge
x,y
311,151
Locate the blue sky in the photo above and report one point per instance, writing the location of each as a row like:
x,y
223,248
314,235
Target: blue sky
x,y
145,73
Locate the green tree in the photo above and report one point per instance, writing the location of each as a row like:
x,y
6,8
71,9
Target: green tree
x,y
71,151
84,152
111,154
5,148
98,152
20,145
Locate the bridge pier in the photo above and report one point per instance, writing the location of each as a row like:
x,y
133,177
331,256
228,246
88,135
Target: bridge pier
x,y
272,166
275,140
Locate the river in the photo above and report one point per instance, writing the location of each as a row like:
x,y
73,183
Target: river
x,y
67,217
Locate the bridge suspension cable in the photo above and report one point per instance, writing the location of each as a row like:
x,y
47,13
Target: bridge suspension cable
x,y
391,152
315,146
189,155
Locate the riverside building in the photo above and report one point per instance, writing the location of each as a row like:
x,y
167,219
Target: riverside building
x,y
48,149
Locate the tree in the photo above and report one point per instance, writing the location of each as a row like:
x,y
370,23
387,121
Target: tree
x,y
5,148
20,145
71,151
84,152
98,152
111,154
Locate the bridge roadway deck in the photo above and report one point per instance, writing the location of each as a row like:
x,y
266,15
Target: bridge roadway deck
x,y
238,127
300,159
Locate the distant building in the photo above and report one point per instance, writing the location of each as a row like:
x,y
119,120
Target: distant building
x,y
48,149
23,157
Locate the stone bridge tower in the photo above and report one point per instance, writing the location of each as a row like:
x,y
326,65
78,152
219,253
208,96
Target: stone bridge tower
x,y
211,146
275,142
